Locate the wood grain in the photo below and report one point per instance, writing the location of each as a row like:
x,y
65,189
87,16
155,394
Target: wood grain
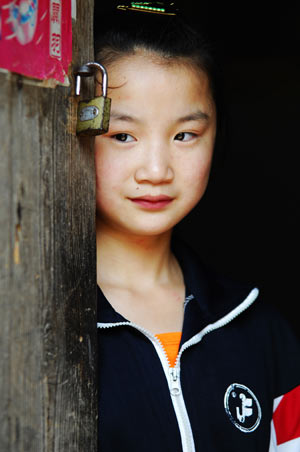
x,y
47,264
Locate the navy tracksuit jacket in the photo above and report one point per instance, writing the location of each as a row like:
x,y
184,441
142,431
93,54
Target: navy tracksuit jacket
x,y
235,387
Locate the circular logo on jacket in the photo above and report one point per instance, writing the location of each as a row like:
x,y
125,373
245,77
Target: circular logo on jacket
x,y
242,407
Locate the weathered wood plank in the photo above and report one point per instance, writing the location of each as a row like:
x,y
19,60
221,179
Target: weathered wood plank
x,y
47,264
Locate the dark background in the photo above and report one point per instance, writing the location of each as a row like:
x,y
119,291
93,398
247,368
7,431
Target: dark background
x,y
247,224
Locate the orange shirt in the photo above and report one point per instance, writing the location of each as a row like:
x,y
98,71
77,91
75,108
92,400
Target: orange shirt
x,y
170,343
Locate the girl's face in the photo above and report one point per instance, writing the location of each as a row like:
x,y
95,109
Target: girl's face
x,y
152,166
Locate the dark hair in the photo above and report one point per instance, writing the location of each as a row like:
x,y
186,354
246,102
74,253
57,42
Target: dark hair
x,y
172,38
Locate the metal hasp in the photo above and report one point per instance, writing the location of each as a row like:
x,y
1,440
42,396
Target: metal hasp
x,y
93,115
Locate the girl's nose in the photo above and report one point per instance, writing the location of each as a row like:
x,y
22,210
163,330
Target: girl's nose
x,y
155,167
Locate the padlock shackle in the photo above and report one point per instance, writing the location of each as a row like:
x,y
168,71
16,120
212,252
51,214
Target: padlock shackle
x,y
83,72
78,85
104,75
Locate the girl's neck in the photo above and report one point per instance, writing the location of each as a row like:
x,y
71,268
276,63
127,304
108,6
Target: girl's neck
x,y
130,261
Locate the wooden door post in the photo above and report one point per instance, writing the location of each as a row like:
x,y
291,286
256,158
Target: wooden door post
x,y
47,264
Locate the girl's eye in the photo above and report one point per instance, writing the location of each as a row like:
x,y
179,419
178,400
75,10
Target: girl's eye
x,y
185,136
124,137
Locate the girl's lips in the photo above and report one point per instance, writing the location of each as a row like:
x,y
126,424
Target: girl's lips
x,y
152,202
153,198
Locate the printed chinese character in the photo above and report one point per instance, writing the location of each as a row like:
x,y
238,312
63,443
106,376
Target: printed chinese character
x,y
55,12
55,45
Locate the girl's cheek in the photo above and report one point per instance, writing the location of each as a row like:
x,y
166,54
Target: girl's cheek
x,y
103,199
196,170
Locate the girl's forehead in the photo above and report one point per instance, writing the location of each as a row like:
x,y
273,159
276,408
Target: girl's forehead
x,y
153,61
148,86
149,67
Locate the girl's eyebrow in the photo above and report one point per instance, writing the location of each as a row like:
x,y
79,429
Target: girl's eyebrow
x,y
198,115
123,117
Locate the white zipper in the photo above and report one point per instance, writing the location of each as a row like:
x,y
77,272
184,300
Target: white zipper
x,y
219,323
173,378
187,439
173,373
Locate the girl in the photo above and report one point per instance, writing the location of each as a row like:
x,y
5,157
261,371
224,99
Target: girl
x,y
188,361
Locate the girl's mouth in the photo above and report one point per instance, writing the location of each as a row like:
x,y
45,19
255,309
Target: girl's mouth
x,y
152,202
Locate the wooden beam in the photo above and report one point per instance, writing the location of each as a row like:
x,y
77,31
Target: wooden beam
x,y
47,264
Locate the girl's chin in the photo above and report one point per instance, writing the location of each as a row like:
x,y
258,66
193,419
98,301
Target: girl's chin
x,y
127,232
148,233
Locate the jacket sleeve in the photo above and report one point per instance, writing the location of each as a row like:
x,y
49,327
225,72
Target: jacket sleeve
x,y
285,426
285,429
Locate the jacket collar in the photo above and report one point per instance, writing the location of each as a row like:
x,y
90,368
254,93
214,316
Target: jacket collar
x,y
214,295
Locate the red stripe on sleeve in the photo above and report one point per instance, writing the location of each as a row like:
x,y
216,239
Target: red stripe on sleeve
x,y
286,417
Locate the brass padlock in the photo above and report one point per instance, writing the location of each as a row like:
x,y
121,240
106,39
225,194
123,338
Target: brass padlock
x,y
93,115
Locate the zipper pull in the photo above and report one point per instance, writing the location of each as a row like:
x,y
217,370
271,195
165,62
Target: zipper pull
x,y
174,381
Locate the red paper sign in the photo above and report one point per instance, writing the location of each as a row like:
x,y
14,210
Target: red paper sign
x,y
36,37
